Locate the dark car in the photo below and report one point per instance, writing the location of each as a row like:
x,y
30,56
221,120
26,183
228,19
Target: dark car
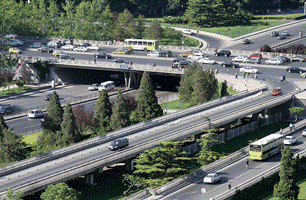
x,y
284,58
246,41
294,70
281,37
229,64
6,109
223,53
274,33
36,45
181,64
120,60
164,53
102,55
45,50
48,97
66,57
179,59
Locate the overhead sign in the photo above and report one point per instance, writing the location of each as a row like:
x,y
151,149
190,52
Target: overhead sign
x,y
123,66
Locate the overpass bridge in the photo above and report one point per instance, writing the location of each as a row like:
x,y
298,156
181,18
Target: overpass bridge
x,y
91,156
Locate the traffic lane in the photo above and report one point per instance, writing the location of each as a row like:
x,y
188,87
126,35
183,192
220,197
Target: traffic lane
x,y
236,174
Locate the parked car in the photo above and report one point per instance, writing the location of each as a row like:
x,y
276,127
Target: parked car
x,y
298,58
240,59
6,109
93,47
289,140
246,41
93,87
35,114
120,60
274,61
68,47
252,60
256,55
223,53
15,50
212,178
295,70
102,55
249,70
276,91
274,34
45,49
48,97
80,48
206,60
187,32
281,37
36,45
229,64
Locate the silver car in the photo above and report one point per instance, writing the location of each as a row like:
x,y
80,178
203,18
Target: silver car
x,y
212,178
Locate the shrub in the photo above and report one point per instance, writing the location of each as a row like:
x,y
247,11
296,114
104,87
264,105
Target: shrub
x,y
266,48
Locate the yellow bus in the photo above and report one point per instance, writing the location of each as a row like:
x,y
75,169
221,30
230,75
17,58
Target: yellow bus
x,y
266,147
141,44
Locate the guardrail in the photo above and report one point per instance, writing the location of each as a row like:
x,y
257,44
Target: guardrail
x,y
122,132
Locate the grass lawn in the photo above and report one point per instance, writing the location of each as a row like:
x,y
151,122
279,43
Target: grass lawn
x,y
14,90
235,31
175,105
31,139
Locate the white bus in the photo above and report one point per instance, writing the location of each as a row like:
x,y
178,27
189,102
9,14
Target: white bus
x,y
266,147
141,44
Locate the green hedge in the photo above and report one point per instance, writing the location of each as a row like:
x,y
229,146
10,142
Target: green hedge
x,y
280,17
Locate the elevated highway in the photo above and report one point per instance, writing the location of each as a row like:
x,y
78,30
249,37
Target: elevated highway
x,y
84,158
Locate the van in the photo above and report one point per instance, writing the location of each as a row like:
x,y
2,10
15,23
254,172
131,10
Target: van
x,y
118,144
108,85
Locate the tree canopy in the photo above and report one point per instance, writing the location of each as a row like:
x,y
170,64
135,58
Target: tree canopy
x,y
60,191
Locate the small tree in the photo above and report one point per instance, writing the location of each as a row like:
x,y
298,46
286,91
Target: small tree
x,y
287,189
223,91
154,31
131,181
120,117
103,112
60,191
26,75
265,48
83,118
11,196
296,111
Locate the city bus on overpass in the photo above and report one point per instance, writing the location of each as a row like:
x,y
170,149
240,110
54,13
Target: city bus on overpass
x,y
266,147
141,44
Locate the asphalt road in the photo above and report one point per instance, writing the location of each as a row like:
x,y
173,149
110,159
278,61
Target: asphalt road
x,y
236,174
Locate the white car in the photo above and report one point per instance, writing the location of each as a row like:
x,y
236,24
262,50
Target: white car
x,y
153,54
68,47
206,60
80,48
93,47
289,140
187,32
35,113
285,33
194,57
240,59
304,133
249,70
212,178
93,87
274,61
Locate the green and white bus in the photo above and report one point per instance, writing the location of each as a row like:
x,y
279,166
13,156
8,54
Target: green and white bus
x,y
141,44
266,147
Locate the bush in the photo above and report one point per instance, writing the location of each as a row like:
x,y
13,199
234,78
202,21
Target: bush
x,y
266,48
175,20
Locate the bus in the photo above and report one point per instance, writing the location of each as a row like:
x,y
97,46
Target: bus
x,y
141,44
266,147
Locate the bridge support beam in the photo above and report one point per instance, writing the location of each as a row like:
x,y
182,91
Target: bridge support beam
x,y
129,165
89,179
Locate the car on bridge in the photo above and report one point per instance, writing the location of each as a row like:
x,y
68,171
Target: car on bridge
x,y
206,60
276,91
94,47
246,41
229,64
160,53
281,37
120,60
68,47
222,53
66,57
118,144
122,51
249,70
274,33
35,114
212,178
179,59
252,60
57,53
274,61
80,48
295,70
15,50
181,64
54,44
289,140
45,49
285,33
36,45
240,59
298,58
283,58
102,55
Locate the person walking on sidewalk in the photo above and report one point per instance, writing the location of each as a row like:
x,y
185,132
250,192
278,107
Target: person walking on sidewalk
x,y
247,164
281,131
236,75
290,126
229,185
216,72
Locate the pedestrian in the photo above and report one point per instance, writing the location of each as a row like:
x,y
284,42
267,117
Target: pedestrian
x,y
256,77
244,75
281,131
131,64
245,82
216,72
284,78
290,126
154,64
229,185
293,126
95,60
236,75
227,70
247,164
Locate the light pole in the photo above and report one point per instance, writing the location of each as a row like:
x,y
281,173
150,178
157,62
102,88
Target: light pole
x,y
305,7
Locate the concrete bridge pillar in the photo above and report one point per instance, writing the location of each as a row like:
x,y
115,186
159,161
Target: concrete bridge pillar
x,y
89,179
129,165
